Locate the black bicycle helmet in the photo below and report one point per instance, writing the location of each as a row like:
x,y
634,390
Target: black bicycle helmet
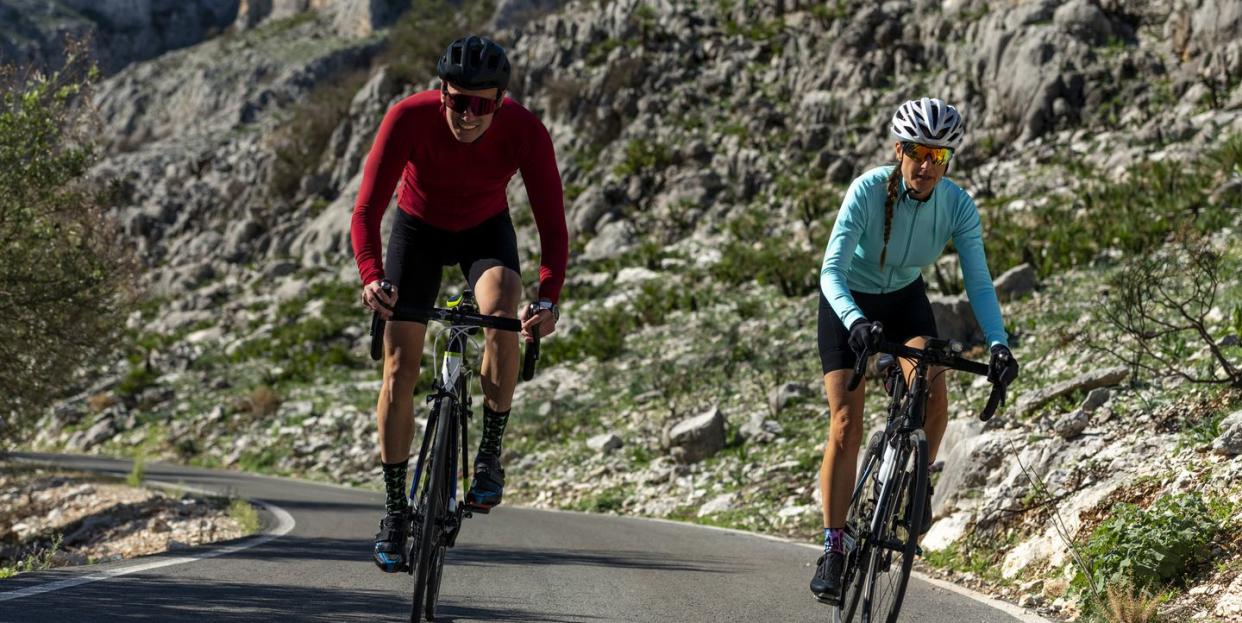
x,y
474,63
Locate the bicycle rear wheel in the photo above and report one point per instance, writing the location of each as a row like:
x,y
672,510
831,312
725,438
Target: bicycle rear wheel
x,y
856,523
434,498
895,543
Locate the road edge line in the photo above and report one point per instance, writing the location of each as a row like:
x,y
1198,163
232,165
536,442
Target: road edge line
x,y
284,525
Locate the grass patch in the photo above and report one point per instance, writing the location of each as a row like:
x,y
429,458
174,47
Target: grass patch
x,y
606,501
245,515
137,473
643,156
1152,200
140,376
35,561
974,554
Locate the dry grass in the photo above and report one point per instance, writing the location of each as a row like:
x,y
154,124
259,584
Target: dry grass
x,y
1125,606
263,400
100,401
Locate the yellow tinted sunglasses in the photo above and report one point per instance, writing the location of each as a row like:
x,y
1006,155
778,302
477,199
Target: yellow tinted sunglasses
x,y
939,155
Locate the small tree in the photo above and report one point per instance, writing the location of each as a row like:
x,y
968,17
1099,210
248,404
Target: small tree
x,y
62,266
1160,304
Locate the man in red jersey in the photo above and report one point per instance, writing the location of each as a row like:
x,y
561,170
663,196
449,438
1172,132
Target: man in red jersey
x,y
454,150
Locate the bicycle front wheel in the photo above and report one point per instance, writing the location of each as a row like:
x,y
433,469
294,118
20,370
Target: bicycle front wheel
x,y
895,540
433,507
856,523
436,567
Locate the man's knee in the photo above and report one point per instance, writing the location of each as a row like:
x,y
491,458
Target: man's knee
x,y
498,291
402,369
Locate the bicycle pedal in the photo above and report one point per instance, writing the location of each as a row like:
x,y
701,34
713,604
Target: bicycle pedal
x,y
476,508
831,601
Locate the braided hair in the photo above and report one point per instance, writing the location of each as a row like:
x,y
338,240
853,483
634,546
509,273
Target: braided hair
x,y
889,201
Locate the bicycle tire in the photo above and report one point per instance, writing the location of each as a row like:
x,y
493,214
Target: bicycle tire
x,y
434,493
853,581
436,567
913,483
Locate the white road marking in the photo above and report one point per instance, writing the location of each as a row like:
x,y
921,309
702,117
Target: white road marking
x,y
284,524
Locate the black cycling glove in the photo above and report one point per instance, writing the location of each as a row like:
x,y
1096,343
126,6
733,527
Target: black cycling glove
x,y
1003,368
865,336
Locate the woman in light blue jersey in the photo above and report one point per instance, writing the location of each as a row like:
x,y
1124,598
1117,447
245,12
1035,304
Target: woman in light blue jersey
x,y
895,221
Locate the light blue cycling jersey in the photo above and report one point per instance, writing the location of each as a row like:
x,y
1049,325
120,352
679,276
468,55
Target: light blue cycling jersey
x,y
920,230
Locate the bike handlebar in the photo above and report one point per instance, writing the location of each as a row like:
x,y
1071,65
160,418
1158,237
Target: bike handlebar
x,y
936,358
454,317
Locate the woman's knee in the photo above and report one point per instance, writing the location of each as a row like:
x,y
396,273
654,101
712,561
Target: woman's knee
x,y
938,394
846,427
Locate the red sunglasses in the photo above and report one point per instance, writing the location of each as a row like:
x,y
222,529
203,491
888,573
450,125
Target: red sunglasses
x,y
462,103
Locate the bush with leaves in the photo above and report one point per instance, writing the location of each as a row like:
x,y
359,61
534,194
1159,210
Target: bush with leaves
x,y
1147,548
63,271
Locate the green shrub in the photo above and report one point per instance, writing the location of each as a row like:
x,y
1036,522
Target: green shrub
x,y
1155,199
1149,548
643,156
66,278
35,561
422,33
245,515
300,142
137,472
755,253
602,332
306,348
139,377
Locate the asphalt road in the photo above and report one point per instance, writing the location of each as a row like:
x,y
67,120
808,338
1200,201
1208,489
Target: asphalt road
x,y
515,564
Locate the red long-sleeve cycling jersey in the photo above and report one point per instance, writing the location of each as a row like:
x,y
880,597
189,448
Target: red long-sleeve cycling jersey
x,y
454,186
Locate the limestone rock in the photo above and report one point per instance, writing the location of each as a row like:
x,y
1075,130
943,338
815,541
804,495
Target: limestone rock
x,y
1229,443
786,393
697,438
1015,282
1084,382
1072,424
605,443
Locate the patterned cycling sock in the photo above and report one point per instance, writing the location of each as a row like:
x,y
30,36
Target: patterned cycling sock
x,y
494,423
834,540
394,485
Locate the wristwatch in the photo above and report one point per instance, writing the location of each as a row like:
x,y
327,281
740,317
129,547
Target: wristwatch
x,y
547,304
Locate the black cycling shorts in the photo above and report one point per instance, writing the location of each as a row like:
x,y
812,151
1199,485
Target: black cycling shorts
x,y
905,313
418,253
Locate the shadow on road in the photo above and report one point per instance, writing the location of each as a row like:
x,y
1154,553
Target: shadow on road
x,y
449,612
619,559
167,599
302,548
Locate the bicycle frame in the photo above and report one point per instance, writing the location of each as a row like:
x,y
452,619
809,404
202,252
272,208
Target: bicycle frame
x,y
902,439
452,384
434,526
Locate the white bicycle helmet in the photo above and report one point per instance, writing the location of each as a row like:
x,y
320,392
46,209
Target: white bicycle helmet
x,y
929,121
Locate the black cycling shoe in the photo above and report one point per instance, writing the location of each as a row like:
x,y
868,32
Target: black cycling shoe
x,y
390,552
826,585
489,484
